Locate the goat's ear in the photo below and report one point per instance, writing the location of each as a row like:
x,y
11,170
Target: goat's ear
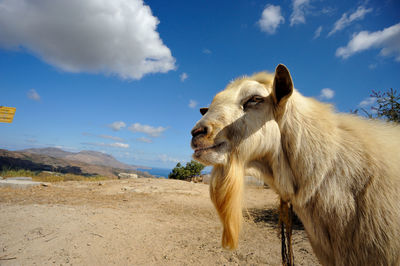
x,y
283,84
203,111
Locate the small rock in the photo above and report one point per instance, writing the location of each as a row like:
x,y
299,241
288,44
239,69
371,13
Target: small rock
x,y
127,175
18,183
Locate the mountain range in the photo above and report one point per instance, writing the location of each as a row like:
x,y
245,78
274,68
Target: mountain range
x,y
89,157
58,160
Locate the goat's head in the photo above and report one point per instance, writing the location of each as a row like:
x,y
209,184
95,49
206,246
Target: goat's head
x,y
240,125
242,119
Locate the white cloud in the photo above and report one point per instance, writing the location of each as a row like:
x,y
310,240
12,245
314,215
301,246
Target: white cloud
x,y
167,159
149,130
111,137
327,94
116,37
65,148
207,51
113,145
270,19
346,20
328,11
119,145
33,95
388,40
192,104
367,102
300,7
317,32
117,125
183,76
104,136
145,140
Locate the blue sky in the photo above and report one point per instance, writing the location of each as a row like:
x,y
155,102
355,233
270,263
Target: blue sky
x,y
127,77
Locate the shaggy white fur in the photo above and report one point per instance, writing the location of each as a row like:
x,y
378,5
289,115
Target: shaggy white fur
x,y
340,172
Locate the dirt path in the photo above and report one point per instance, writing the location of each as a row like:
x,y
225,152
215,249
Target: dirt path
x,y
134,222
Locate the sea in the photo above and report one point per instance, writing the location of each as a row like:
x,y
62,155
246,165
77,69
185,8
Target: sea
x,y
164,172
157,172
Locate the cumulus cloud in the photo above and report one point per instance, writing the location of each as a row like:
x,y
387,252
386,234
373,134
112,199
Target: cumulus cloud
x,y
300,7
112,138
104,136
346,19
388,40
192,104
317,32
167,159
113,145
119,145
372,66
328,11
116,37
33,95
117,125
145,140
146,129
183,76
63,147
367,102
270,19
207,51
327,94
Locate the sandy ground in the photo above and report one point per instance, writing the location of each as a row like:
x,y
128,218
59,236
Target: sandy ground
x,y
135,222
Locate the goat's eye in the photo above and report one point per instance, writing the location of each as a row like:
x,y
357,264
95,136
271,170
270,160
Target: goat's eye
x,y
253,101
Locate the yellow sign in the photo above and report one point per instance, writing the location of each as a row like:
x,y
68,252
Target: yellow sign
x,y
7,114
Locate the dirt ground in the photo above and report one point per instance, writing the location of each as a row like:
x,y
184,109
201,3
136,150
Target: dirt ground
x,y
135,222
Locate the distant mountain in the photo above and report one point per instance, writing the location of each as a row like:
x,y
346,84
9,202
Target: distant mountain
x,y
89,157
59,161
53,152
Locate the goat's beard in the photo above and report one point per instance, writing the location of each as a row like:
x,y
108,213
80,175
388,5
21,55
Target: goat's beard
x,y
226,188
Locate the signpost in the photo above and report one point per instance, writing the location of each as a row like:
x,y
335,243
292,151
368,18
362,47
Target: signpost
x,y
7,114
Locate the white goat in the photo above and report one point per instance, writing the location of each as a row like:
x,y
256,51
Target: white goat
x,y
341,173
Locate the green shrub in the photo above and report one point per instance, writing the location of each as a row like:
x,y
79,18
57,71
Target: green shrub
x,y
191,169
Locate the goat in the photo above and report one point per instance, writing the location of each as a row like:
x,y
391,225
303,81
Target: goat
x,y
340,172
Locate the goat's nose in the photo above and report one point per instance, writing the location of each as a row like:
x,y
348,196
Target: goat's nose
x,y
200,130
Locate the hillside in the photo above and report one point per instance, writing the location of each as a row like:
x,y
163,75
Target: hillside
x,y
66,162
89,157
53,152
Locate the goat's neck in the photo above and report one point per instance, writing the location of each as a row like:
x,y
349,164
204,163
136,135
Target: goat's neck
x,y
302,157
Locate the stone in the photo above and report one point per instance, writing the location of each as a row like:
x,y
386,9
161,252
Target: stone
x,y
18,183
20,178
127,175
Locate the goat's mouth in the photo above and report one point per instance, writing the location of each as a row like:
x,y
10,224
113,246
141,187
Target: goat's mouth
x,y
199,150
